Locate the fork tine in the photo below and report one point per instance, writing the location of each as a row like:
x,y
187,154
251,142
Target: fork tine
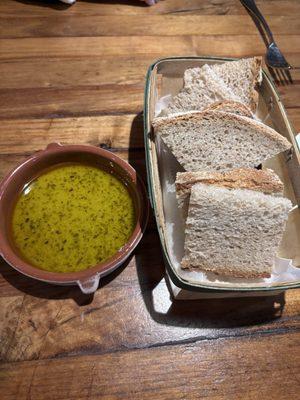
x,y
272,73
281,76
289,76
278,74
278,78
283,79
285,76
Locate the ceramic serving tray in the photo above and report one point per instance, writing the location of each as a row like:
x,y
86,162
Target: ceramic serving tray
x,y
164,79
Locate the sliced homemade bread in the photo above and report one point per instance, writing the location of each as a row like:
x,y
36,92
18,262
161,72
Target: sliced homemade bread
x,y
199,94
231,107
233,232
232,80
264,180
215,140
242,77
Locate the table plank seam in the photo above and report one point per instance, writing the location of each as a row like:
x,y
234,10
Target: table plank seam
x,y
64,114
94,351
99,114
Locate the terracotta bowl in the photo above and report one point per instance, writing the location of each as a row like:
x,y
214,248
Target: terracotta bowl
x,y
32,167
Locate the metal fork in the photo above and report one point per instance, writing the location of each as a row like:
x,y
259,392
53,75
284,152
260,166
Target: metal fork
x,y
276,62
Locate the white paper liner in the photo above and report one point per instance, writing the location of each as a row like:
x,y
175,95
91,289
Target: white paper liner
x,y
161,104
283,272
298,140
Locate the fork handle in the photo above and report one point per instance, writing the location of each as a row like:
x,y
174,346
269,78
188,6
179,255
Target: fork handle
x,y
252,8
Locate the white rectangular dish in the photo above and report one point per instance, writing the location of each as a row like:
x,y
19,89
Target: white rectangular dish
x,y
165,77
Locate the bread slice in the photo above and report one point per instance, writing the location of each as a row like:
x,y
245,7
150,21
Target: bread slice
x,y
233,80
265,181
215,140
200,93
233,232
243,77
231,107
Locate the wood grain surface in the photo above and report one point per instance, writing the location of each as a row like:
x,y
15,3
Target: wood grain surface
x,y
76,75
226,368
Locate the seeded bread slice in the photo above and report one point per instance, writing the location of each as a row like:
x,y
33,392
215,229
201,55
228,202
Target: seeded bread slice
x,y
233,232
231,107
265,181
218,141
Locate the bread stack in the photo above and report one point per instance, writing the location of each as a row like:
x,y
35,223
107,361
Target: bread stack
x,y
234,214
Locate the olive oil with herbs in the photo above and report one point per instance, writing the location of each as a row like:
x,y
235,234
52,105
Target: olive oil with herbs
x,y
71,218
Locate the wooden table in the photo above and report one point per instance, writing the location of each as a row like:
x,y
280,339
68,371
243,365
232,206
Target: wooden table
x,y
76,75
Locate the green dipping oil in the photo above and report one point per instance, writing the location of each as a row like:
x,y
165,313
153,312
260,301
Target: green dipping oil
x,y
71,218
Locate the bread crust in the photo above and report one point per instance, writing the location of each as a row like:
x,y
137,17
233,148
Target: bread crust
x,y
265,181
226,271
231,107
257,78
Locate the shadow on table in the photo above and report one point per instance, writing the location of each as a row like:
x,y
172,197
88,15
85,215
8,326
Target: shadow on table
x,y
57,5
208,313
137,3
48,291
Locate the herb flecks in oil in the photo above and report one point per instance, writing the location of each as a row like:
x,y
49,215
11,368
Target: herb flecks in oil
x,y
71,218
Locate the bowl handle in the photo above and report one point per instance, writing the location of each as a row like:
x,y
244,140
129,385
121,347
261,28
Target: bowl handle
x,y
89,285
53,145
